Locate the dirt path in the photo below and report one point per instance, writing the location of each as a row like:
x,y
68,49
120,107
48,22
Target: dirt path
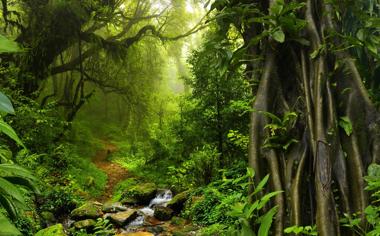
x,y
115,172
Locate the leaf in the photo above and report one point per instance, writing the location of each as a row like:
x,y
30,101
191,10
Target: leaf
x,y
8,130
345,124
5,104
266,222
8,46
279,36
266,198
261,185
7,228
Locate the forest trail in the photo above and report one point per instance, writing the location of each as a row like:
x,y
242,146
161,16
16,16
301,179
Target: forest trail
x,y
115,172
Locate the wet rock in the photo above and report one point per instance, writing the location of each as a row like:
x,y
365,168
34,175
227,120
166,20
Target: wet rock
x,y
112,207
88,224
139,194
55,230
123,218
178,201
163,213
89,210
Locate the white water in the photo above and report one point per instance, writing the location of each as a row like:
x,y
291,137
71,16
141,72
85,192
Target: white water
x,y
161,199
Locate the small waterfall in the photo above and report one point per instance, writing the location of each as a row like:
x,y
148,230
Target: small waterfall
x,y
162,198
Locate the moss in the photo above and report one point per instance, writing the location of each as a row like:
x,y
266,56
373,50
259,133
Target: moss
x,y
139,194
55,230
87,211
178,201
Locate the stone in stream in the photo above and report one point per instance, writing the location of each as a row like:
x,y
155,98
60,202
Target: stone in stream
x,y
139,194
163,213
55,230
112,207
88,224
178,201
123,218
89,210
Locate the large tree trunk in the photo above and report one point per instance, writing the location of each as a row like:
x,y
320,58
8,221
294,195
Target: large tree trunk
x,y
326,163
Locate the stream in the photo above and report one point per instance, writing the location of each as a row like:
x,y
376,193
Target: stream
x,y
161,199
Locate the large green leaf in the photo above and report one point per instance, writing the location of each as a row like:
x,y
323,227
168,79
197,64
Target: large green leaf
x,y
8,130
5,104
8,46
266,222
7,228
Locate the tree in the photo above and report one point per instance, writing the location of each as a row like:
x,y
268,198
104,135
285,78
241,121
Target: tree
x,y
66,39
306,58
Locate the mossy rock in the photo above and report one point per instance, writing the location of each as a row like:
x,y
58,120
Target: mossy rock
x,y
163,213
123,218
112,207
139,194
88,224
178,202
55,230
89,210
47,217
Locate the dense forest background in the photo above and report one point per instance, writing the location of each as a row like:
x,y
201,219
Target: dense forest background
x,y
260,116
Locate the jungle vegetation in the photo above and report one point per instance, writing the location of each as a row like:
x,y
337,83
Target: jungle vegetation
x,y
261,116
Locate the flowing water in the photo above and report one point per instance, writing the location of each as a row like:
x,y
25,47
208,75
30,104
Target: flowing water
x,y
162,198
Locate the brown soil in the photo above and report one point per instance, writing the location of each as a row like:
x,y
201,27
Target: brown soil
x,y
115,172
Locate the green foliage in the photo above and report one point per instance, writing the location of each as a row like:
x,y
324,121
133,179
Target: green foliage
x,y
103,228
372,211
246,211
208,206
345,123
15,181
303,230
199,169
8,46
280,130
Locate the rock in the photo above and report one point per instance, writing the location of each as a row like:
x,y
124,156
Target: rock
x,y
124,217
139,194
112,207
88,224
177,221
156,230
89,210
55,230
178,201
163,213
48,217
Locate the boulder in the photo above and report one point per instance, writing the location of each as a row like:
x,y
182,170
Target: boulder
x,y
55,230
124,217
163,213
112,207
89,210
139,194
88,224
178,202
